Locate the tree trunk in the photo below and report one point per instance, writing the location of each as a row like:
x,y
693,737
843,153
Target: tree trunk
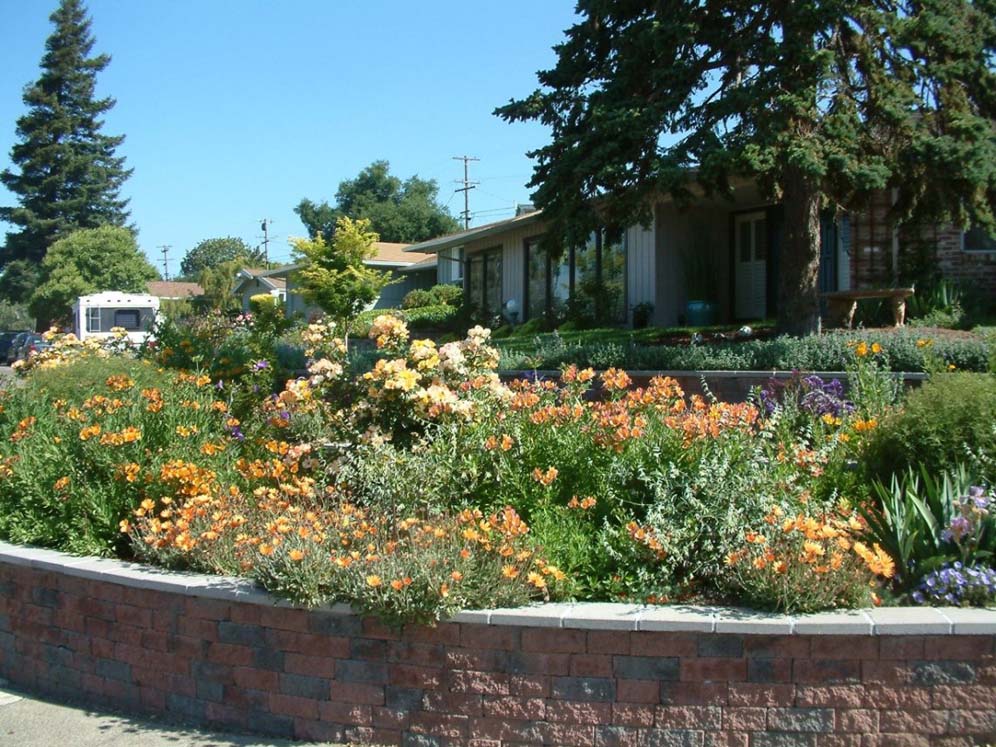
x,y
799,263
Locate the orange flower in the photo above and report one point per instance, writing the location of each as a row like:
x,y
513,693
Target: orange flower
x,y
397,584
296,555
545,478
456,576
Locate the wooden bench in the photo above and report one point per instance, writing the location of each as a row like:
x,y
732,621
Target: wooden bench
x,y
841,305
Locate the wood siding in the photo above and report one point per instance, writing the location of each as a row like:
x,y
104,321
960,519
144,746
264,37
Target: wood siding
x,y
640,267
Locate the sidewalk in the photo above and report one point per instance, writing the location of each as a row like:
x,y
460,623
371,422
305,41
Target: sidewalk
x,y
26,721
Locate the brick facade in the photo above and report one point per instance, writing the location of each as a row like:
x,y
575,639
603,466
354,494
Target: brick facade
x,y
326,676
872,251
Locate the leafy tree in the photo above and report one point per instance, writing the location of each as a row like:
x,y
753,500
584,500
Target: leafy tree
x,y
821,101
67,175
399,211
213,252
86,261
334,275
15,316
218,283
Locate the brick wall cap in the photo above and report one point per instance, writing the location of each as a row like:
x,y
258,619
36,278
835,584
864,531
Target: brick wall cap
x,y
733,620
838,622
678,618
709,374
603,616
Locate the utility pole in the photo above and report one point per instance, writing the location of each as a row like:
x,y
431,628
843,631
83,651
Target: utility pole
x,y
265,225
164,248
467,186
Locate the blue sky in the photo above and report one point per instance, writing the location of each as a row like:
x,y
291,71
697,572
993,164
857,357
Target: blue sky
x,y
236,109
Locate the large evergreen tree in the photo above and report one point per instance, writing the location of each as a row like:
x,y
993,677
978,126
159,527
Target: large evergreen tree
x,y
821,101
400,211
66,174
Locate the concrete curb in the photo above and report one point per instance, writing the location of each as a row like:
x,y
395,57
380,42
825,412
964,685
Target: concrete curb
x,y
890,621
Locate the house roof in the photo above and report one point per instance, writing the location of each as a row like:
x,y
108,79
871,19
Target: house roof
x,y
174,289
471,234
388,255
268,278
429,263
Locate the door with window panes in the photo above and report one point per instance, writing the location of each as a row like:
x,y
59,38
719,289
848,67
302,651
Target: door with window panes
x,y
750,266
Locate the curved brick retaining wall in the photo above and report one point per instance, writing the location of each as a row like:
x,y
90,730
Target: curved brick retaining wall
x,y
218,651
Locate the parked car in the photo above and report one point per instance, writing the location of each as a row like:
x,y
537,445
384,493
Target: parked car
x,y
15,347
32,344
6,338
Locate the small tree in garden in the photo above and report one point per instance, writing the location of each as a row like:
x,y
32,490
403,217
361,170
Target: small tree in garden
x,y
821,101
218,283
334,276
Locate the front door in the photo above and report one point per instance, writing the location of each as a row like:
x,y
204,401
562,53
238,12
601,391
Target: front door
x,y
751,271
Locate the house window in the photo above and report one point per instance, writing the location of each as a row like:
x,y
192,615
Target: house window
x,y
593,274
978,239
130,319
484,288
93,320
456,265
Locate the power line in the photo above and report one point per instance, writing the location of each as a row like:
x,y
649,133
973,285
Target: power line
x,y
265,225
164,248
467,186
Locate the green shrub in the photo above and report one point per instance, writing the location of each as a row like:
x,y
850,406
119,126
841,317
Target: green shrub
x,y
432,317
450,295
904,351
417,298
950,419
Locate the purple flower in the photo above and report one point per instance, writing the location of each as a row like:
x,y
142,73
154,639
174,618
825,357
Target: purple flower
x,y
260,365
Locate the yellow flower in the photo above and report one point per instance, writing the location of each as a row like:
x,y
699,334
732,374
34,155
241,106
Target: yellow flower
x,y
374,581
876,348
509,571
861,350
536,580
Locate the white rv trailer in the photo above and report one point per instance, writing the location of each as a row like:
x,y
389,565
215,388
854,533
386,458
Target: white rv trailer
x,y
95,315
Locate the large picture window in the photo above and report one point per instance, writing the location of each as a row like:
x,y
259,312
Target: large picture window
x,y
978,239
484,281
593,275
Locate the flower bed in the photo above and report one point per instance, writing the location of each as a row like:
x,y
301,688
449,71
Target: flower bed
x,y
219,651
426,485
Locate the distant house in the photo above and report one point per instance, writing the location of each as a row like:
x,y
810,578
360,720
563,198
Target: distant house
x,y
411,269
724,250
174,290
253,282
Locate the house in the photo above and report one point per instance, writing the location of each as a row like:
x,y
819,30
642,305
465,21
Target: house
x,y
174,290
254,282
717,249
96,314
411,270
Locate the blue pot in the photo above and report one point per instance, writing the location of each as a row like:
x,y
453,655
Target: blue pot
x,y
700,313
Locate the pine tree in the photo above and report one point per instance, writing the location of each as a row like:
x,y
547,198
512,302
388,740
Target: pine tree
x,y
822,102
66,174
